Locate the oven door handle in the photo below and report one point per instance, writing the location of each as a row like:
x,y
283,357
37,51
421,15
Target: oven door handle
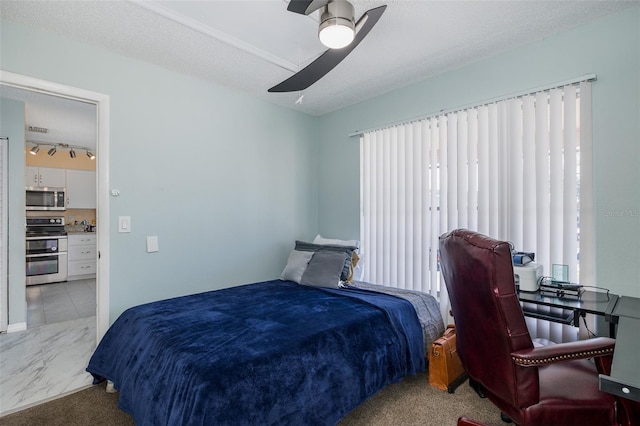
x,y
57,253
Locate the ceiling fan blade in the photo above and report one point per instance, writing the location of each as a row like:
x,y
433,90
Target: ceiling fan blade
x,y
305,7
329,59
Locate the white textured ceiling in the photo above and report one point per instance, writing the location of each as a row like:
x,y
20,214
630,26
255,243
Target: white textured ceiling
x,y
253,45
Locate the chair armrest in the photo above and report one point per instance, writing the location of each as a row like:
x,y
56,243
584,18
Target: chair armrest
x,y
590,348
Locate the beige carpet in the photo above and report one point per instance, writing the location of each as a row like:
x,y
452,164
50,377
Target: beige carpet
x,y
410,402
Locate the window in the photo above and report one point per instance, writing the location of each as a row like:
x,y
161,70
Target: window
x,y
518,169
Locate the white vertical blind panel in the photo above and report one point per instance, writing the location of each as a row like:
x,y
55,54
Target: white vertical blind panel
x,y
427,231
483,171
543,228
385,222
503,177
587,220
375,206
462,169
392,265
529,242
409,205
570,225
555,158
515,180
472,161
452,172
434,136
365,204
494,171
444,174
418,207
402,206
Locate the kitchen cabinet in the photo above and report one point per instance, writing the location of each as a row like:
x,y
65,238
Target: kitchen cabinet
x,y
81,256
81,189
45,176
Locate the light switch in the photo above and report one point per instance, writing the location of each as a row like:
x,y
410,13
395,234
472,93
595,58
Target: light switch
x,y
124,223
152,244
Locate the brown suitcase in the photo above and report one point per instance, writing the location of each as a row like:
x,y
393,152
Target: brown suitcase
x,y
445,369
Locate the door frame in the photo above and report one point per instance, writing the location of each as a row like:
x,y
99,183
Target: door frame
x,y
4,253
101,101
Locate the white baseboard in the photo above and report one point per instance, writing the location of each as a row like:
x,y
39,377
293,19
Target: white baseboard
x,y
19,326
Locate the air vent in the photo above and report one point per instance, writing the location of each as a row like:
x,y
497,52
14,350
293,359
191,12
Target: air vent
x,y
37,129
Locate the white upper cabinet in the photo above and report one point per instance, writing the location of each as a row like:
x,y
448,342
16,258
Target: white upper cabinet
x,y
81,189
45,176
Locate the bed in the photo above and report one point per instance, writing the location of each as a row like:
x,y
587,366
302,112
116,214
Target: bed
x,y
273,352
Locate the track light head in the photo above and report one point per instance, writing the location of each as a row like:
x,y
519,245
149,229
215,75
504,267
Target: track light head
x,y
72,153
90,155
52,151
34,150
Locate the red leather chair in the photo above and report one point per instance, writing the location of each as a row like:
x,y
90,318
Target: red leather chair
x,y
550,385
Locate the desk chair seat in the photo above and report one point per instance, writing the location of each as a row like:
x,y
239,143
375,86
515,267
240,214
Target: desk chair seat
x,y
548,385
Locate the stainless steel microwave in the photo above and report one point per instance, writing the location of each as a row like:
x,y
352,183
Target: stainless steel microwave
x,y
45,198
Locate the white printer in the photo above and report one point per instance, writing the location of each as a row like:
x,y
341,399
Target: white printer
x,y
528,276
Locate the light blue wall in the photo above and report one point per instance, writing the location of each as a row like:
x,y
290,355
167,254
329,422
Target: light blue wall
x,y
609,47
11,126
225,181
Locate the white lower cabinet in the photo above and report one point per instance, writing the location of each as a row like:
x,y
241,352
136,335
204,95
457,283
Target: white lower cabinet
x,y
82,256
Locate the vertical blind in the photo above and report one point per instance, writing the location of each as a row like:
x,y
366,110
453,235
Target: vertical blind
x,y
518,169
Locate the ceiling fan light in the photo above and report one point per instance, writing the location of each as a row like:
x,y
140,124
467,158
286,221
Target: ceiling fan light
x,y
337,24
335,36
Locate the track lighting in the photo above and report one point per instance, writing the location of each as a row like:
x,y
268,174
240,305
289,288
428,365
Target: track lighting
x,y
73,149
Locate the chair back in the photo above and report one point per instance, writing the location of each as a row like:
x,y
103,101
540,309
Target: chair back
x,y
478,272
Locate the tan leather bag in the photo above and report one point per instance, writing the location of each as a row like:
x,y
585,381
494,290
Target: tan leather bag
x,y
445,369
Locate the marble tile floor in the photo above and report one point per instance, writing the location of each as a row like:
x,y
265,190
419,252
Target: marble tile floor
x,y
48,360
44,363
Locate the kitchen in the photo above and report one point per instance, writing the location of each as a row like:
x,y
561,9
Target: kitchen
x,y
60,211
60,205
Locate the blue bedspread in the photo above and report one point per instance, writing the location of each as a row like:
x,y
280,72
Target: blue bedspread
x,y
265,353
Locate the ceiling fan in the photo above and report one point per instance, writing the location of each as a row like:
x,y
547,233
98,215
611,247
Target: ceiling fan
x,y
337,31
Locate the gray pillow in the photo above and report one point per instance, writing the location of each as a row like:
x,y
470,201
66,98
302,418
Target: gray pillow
x,y
324,269
296,265
344,275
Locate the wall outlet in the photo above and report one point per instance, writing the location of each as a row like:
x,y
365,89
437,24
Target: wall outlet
x,y
152,244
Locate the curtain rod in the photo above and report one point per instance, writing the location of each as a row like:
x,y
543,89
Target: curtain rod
x,y
576,80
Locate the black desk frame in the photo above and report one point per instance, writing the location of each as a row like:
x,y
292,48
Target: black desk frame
x,y
589,302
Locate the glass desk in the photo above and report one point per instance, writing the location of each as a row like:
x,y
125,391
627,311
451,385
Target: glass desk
x,y
589,302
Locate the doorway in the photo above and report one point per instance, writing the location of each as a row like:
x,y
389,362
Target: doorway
x,y
101,101
95,328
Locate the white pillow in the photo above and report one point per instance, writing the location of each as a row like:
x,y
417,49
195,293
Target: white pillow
x,y
320,240
296,265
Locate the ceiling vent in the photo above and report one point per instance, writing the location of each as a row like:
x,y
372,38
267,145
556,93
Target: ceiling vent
x,y
37,129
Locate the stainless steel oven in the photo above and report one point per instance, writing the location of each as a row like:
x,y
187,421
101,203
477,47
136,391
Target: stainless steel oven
x,y
46,252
